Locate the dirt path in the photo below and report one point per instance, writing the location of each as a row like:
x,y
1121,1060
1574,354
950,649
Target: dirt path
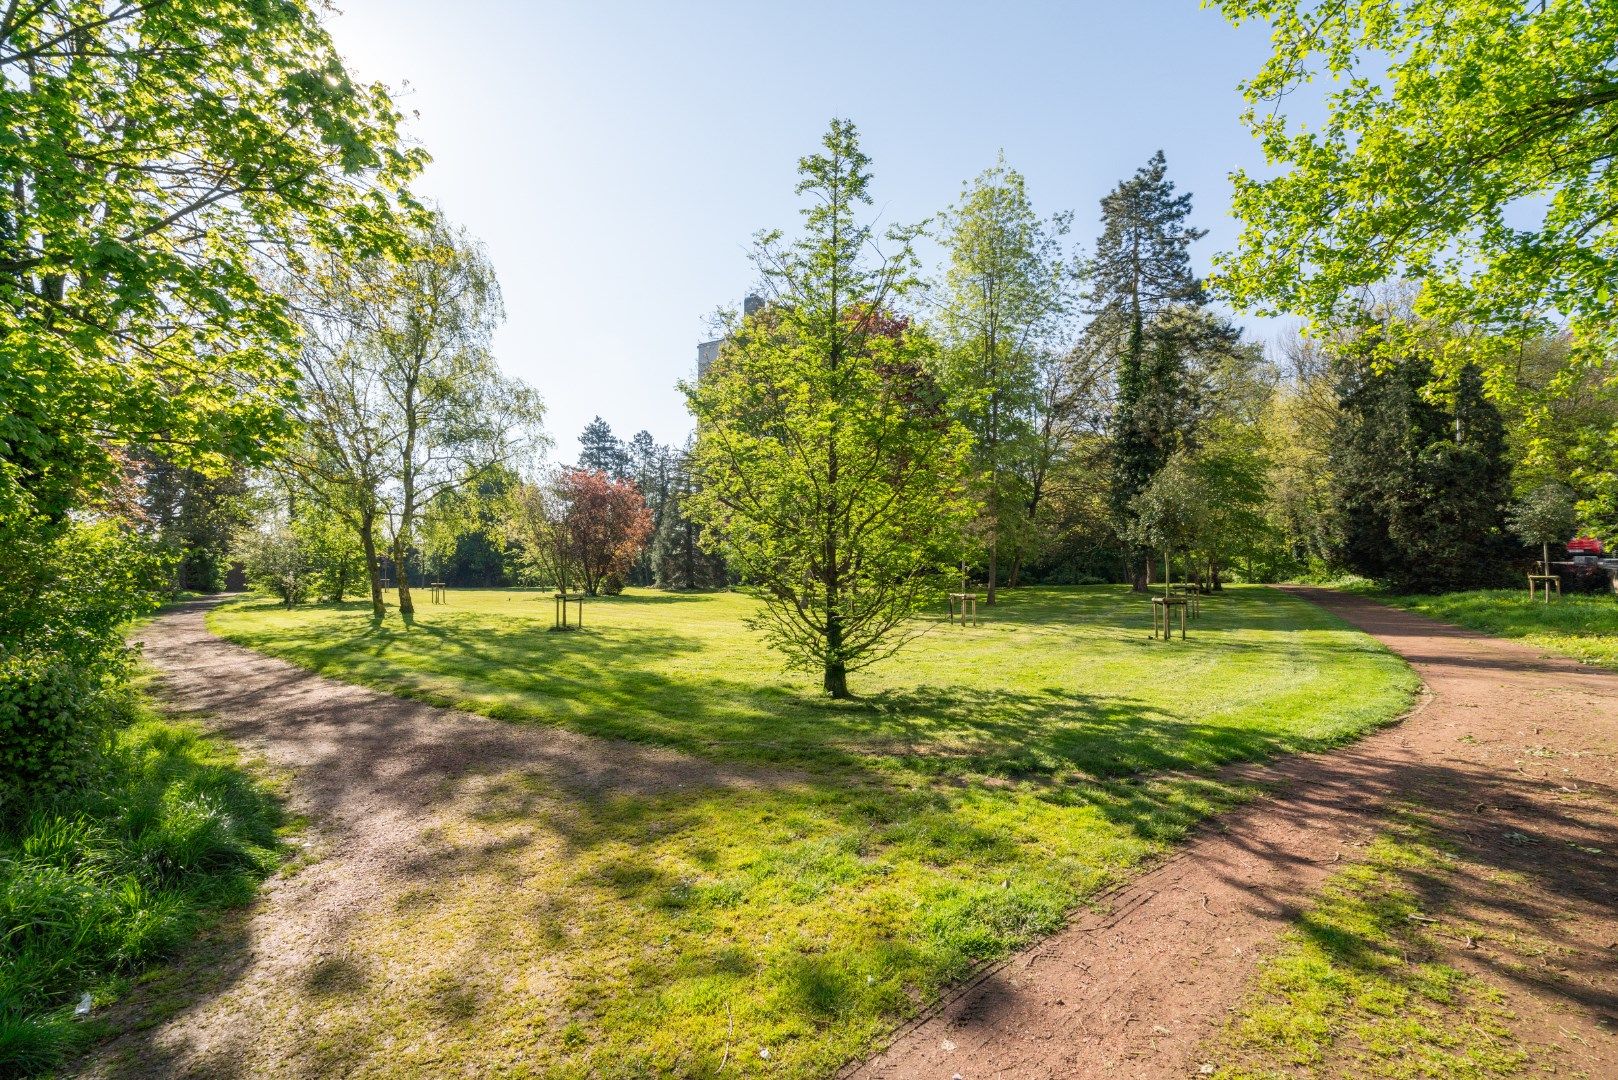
x,y
377,774
1516,752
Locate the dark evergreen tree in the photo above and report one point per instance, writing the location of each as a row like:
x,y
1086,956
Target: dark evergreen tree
x,y
1421,484
601,450
1140,269
191,515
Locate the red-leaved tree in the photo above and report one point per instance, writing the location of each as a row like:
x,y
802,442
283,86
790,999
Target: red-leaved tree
x,y
607,523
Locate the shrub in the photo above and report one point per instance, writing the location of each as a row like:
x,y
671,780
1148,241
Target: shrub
x,y
612,584
103,876
51,717
62,652
1585,578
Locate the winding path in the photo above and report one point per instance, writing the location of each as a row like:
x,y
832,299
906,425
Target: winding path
x,y
1133,987
1524,744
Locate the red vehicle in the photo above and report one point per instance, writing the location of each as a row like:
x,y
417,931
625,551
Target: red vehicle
x,y
1584,545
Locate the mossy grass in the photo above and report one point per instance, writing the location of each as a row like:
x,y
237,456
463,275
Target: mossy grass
x,y
987,782
1357,988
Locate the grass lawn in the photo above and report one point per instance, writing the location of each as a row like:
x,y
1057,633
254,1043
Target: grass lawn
x,y
1584,627
988,781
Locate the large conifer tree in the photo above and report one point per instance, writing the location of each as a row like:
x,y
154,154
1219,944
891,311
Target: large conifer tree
x,y
1141,267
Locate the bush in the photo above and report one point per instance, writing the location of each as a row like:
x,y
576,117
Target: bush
x,y
52,712
612,584
100,878
1583,577
62,617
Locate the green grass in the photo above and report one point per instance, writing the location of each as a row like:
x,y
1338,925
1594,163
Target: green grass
x,y
989,780
1357,989
99,880
1584,627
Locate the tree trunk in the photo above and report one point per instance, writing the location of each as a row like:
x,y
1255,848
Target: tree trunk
x,y
836,673
402,573
690,557
372,570
994,569
1545,550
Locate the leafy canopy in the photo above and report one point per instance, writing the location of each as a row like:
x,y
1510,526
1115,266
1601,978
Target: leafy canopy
x,y
1467,144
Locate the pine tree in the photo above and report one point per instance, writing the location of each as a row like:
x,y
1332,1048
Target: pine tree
x,y
602,451
1141,267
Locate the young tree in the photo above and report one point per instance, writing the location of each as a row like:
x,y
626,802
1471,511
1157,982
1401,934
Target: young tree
x,y
1005,291
1545,516
830,467
1141,267
534,517
276,561
1170,513
606,523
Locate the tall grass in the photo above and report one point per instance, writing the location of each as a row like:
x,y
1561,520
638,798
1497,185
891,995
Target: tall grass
x,y
114,872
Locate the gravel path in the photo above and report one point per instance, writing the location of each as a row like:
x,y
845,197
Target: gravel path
x,y
375,775
1517,751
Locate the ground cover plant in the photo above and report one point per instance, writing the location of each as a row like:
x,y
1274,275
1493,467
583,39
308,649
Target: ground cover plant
x,y
877,849
102,877
1581,626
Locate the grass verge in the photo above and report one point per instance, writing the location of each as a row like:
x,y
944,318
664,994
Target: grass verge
x,y
100,880
1584,627
1358,988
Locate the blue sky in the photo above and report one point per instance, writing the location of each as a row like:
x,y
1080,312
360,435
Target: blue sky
x,y
616,157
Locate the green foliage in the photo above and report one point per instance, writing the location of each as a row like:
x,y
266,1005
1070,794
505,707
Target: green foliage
x,y
831,468
1545,515
104,876
61,647
1421,484
1005,295
1142,268
278,561
138,212
1448,122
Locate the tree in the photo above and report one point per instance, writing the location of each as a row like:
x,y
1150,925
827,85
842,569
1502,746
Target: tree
x,y
138,215
1451,127
403,401
277,561
157,159
1420,482
534,517
601,450
829,465
1141,267
605,522
1004,295
1170,512
1545,516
